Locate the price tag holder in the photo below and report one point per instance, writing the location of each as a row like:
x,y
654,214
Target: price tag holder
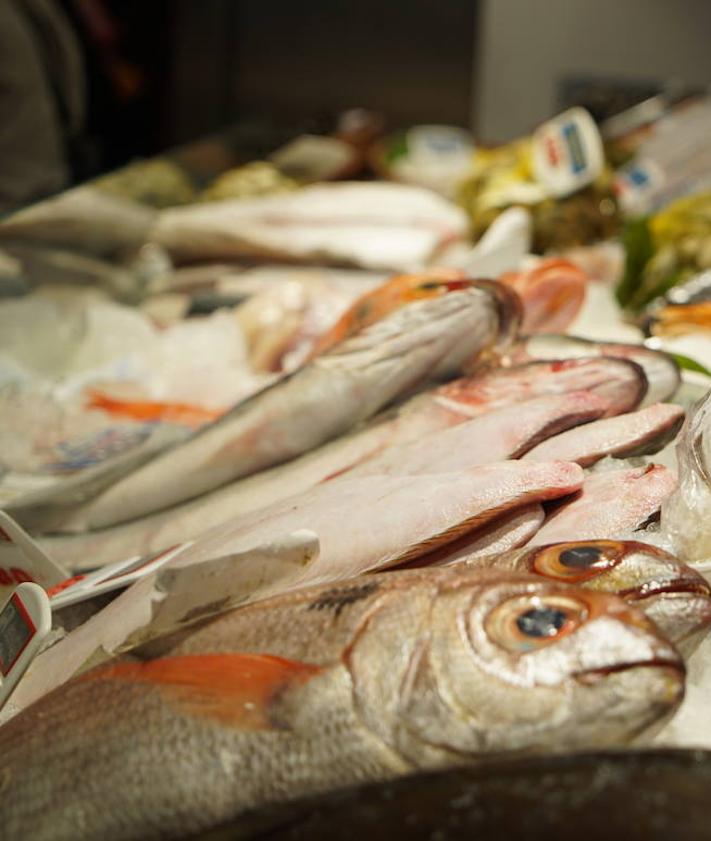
x,y
21,558
110,577
25,622
637,186
567,152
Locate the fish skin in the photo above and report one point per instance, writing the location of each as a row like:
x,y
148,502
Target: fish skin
x,y
423,341
686,512
630,795
662,372
673,595
636,433
428,679
609,505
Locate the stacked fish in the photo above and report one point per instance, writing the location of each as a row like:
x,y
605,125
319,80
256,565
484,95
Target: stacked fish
x,y
398,557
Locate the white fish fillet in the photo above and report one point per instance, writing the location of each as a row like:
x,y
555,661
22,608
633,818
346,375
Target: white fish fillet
x,y
371,522
634,433
372,225
495,436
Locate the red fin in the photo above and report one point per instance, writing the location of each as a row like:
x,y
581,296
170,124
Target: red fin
x,y
234,689
148,410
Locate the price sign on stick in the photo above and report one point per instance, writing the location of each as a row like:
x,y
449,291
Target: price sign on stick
x,y
25,622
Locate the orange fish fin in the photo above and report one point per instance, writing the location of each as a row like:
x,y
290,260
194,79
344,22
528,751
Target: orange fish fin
x,y
152,410
234,689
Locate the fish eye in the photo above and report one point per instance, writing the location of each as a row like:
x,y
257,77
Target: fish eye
x,y
527,623
577,561
541,621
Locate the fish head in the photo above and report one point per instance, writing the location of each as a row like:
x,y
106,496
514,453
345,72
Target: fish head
x,y
389,296
511,663
674,596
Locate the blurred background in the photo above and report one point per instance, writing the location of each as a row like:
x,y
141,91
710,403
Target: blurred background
x,y
150,76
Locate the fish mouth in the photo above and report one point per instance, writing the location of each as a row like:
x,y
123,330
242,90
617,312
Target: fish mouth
x,y
675,664
692,586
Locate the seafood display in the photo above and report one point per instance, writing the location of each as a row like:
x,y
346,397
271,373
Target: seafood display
x,y
348,521
389,687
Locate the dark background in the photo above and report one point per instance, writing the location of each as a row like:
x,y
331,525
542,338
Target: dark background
x,y
164,72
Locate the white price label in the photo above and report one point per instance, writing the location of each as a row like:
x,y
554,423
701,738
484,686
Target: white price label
x,y
25,622
21,558
567,152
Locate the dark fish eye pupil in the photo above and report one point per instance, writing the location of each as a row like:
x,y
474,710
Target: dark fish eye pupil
x,y
541,622
580,557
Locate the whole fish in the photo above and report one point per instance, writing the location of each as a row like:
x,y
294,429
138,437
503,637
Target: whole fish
x,y
610,505
492,437
686,512
395,227
618,382
636,433
661,370
375,304
434,673
672,594
423,341
630,795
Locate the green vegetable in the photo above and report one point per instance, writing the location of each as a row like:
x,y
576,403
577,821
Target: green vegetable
x,y
686,363
639,248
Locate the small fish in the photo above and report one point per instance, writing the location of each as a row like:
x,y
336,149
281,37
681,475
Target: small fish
x,y
425,341
673,595
610,505
432,671
152,410
654,795
662,372
636,433
552,292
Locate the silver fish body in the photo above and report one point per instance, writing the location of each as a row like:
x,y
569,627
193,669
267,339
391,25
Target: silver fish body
x,y
390,674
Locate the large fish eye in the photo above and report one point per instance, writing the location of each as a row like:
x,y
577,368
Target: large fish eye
x,y
526,623
541,622
578,561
